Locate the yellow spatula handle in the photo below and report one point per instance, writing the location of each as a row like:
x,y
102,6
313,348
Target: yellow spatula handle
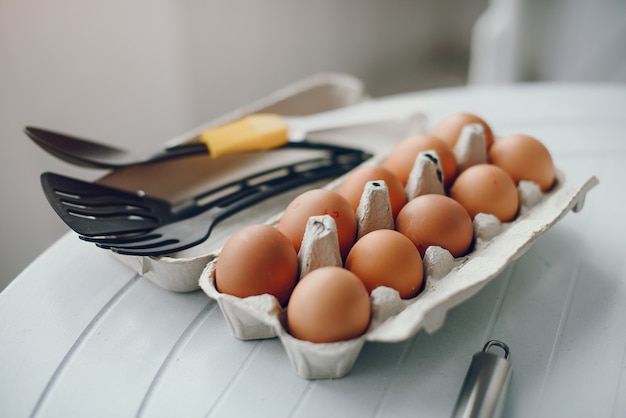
x,y
258,132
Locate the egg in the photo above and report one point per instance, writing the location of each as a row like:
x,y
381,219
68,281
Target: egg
x,y
486,188
436,220
524,157
402,157
354,184
319,202
255,260
449,128
329,304
387,258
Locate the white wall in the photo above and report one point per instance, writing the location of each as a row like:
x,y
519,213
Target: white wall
x,y
137,73
557,40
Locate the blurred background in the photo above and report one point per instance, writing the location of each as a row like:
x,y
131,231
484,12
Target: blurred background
x,y
136,74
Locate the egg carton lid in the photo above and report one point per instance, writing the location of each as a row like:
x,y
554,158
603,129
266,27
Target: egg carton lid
x,y
178,179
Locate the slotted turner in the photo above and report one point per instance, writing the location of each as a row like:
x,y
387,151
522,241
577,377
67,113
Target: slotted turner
x,y
136,224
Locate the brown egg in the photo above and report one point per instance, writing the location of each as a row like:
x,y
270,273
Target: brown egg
x,y
486,188
524,158
352,187
318,202
449,128
387,258
434,219
255,260
402,157
327,305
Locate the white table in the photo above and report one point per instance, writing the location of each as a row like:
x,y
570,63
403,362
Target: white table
x,y
83,335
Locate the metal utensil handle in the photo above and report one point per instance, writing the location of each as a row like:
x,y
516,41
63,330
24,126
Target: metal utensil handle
x,y
484,389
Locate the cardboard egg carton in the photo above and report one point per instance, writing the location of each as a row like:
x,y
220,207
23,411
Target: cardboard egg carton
x,y
448,280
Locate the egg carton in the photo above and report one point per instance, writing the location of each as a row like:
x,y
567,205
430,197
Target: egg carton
x,y
448,281
178,179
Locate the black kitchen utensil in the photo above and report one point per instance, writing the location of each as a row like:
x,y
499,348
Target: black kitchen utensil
x,y
136,224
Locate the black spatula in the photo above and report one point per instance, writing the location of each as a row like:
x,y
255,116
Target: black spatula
x,y
137,224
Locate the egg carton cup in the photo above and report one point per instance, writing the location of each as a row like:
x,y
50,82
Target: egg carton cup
x,y
449,281
182,178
